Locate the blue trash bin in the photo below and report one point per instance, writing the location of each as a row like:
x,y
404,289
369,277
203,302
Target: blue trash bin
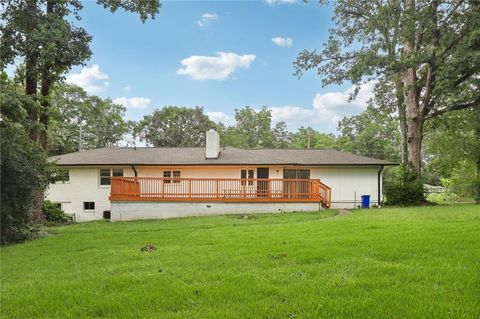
x,y
365,201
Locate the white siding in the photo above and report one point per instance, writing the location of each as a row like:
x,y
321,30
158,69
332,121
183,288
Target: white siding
x,y
349,183
84,186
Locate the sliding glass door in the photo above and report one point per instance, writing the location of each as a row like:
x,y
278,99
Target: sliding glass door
x,y
296,189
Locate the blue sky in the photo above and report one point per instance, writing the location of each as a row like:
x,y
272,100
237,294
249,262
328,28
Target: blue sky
x,y
220,55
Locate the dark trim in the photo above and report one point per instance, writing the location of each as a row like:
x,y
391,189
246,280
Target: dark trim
x,y
134,170
233,164
379,186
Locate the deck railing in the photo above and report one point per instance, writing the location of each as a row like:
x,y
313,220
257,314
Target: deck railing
x,y
219,189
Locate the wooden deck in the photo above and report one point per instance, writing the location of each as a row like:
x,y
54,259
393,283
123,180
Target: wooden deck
x,y
220,189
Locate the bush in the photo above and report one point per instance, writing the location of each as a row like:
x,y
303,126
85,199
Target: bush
x,y
54,214
401,187
476,190
25,171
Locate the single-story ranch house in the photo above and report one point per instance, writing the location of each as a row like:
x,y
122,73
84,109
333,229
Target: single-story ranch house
x,y
148,182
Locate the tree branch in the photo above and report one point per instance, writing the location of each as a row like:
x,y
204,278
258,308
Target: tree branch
x,y
455,107
454,9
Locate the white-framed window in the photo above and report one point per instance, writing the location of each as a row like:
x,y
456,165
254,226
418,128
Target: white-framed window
x,y
62,176
106,173
247,173
171,174
88,205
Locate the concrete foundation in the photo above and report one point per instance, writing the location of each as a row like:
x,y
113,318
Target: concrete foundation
x,y
159,210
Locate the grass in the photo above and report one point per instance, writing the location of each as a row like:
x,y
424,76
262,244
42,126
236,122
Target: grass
x,y
383,263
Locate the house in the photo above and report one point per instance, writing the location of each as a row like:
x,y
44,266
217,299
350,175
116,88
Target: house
x,y
136,183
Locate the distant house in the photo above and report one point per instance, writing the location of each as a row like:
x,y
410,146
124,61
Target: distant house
x,y
139,183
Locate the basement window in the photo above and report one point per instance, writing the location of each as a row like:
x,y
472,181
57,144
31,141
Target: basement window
x,y
88,205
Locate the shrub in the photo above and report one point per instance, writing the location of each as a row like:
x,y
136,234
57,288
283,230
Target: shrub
x,y
54,214
476,190
401,187
24,172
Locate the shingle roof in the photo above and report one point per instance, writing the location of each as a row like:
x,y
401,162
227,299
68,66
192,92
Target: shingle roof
x,y
196,156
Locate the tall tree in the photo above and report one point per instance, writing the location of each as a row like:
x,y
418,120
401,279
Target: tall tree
x,y
253,129
307,135
450,142
41,32
371,133
24,168
281,135
174,126
427,50
81,121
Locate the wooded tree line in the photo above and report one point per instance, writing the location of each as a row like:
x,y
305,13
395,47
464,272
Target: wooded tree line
x,y
423,54
42,35
82,121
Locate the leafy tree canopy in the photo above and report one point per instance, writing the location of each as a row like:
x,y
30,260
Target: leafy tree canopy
x,y
76,115
174,126
426,50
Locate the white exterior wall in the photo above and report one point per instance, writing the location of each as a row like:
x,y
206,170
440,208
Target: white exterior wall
x,y
349,183
122,211
84,186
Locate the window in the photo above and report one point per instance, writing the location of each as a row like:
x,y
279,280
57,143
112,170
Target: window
x,y
167,174
63,176
88,205
117,172
176,174
296,173
105,174
243,175
58,205
170,174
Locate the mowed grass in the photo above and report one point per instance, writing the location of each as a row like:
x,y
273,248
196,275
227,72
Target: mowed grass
x,y
378,263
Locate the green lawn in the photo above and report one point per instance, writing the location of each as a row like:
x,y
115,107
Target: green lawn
x,y
384,263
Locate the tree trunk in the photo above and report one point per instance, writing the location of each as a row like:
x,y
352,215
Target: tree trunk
x,y
413,111
44,112
31,77
31,84
402,119
415,120
45,91
414,138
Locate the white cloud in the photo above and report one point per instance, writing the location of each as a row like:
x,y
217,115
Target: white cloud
x,y
335,105
220,117
214,67
90,79
293,115
274,2
328,108
133,102
207,18
283,42
127,88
